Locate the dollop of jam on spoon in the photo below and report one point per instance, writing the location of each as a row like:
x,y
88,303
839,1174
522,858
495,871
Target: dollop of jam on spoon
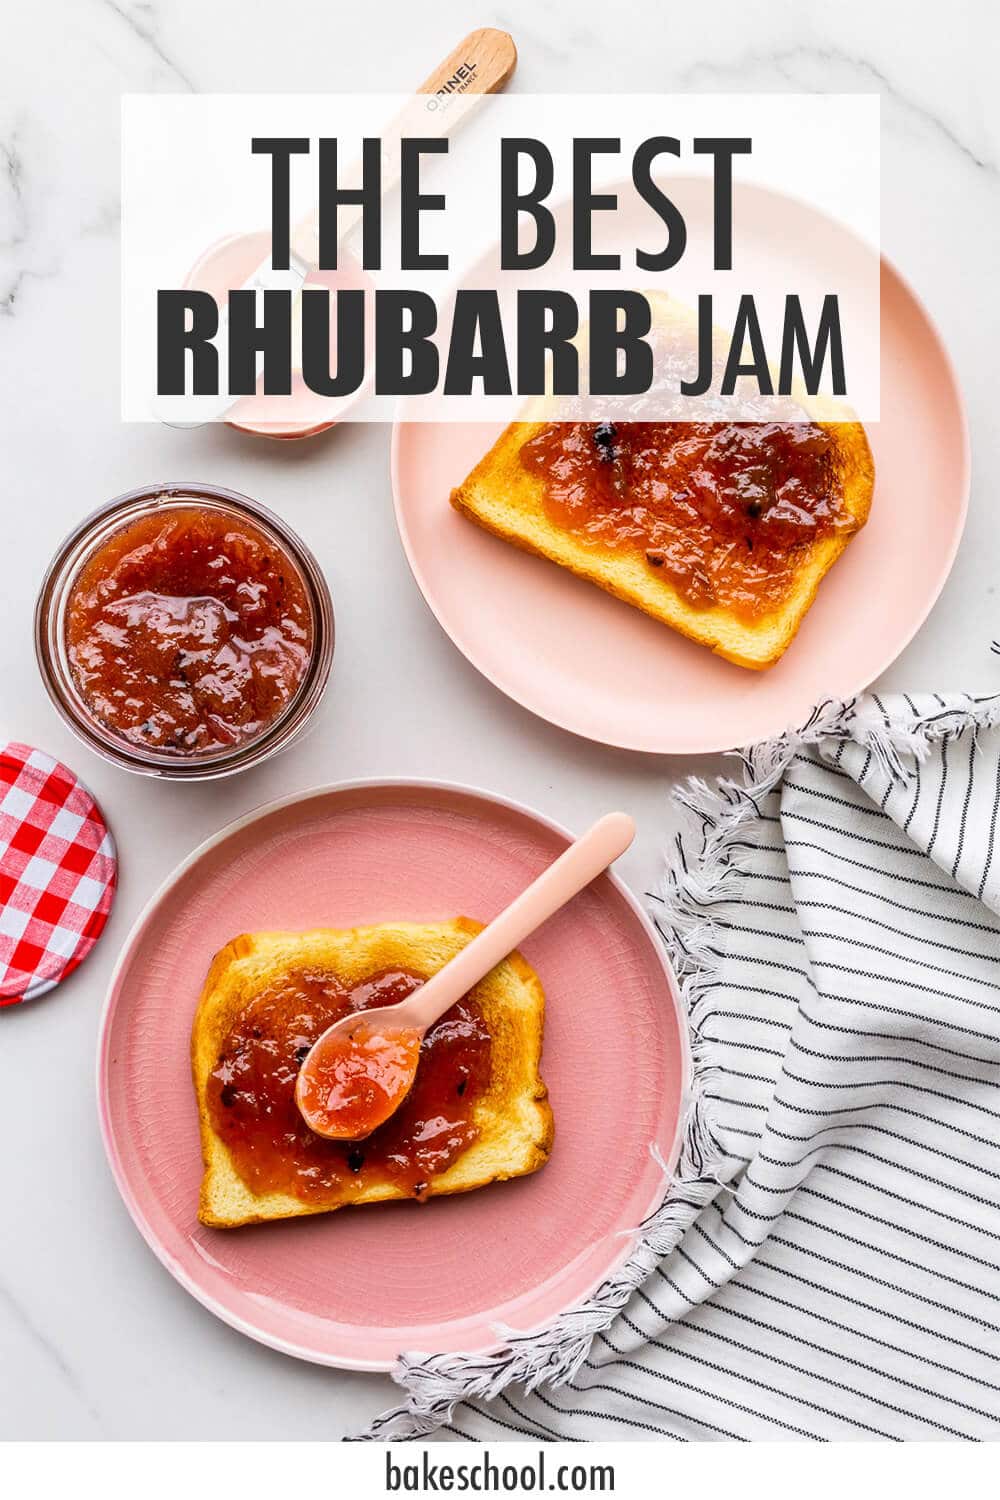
x,y
357,1077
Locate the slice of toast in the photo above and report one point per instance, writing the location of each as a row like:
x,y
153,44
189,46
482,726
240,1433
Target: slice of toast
x,y
505,498
512,1116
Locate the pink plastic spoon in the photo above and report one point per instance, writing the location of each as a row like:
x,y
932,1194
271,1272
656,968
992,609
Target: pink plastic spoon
x,y
360,1070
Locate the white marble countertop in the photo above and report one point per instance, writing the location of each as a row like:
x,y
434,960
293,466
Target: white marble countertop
x,y
96,1340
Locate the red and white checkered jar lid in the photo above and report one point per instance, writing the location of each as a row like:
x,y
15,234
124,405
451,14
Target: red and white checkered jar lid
x,y
58,871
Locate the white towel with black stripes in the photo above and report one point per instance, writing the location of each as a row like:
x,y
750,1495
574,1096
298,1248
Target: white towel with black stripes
x,y
826,1263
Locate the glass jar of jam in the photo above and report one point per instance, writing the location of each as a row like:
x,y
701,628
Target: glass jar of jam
x,y
184,631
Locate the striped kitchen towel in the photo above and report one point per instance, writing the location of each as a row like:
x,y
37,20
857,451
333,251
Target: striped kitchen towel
x,y
826,1263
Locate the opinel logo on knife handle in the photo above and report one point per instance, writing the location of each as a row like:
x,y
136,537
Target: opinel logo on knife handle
x,y
479,65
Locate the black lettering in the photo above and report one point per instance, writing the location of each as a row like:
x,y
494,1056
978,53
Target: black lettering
x,y
413,202
477,319
747,327
429,1472
316,341
668,211
280,149
586,202
828,338
546,324
514,202
367,197
272,338
393,340
722,152
607,339
703,379
176,338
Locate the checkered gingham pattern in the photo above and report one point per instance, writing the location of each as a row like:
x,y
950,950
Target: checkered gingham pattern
x,y
58,871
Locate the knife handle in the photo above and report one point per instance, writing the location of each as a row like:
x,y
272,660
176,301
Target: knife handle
x,y
585,859
479,65
488,57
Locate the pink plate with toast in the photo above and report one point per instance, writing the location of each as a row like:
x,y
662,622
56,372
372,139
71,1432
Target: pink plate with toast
x,y
358,1287
591,664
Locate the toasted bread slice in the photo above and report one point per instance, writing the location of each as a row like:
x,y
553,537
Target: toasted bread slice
x,y
503,497
512,1116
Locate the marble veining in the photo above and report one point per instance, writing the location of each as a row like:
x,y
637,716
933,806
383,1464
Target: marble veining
x,y
95,1338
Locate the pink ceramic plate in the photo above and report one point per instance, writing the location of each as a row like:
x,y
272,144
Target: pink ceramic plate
x,y
591,664
356,1288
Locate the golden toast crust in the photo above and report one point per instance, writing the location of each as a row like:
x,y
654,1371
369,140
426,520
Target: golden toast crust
x,y
504,498
513,1116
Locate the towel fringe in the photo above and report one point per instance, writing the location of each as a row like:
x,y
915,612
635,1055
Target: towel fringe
x,y
710,854
436,1383
719,822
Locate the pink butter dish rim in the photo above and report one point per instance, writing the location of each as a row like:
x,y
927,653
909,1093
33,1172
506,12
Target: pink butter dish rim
x,y
401,783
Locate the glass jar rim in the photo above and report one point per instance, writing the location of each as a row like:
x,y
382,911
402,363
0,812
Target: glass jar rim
x,y
81,543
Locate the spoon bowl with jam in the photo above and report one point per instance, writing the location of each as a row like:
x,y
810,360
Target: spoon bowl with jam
x,y
357,1074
